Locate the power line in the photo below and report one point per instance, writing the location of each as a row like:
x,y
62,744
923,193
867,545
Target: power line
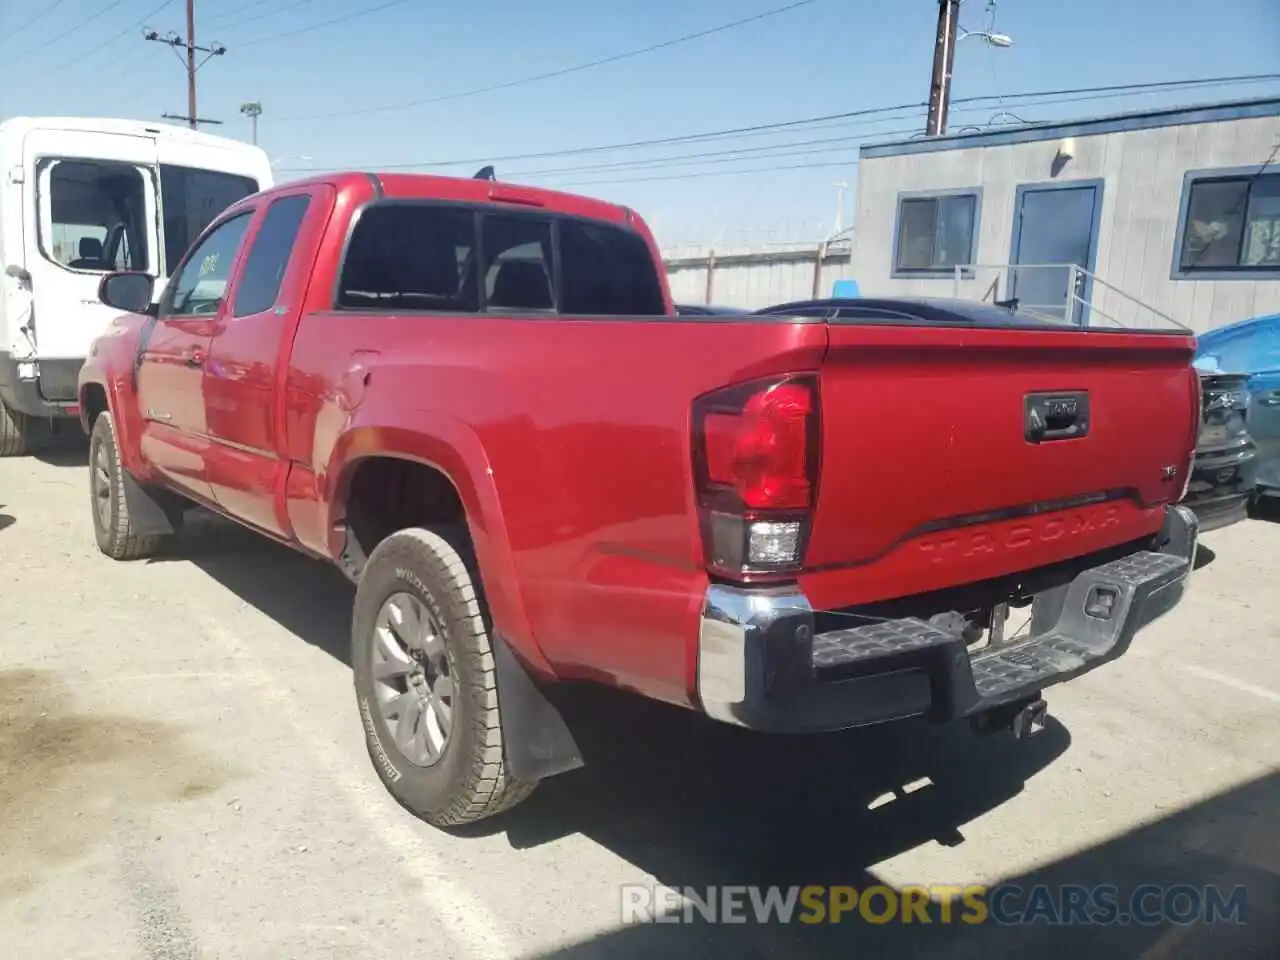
x,y
276,11
367,11
82,24
9,35
74,62
562,72
236,11
1083,93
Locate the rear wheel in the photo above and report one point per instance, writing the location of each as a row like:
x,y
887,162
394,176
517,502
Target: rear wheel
x,y
17,432
112,524
426,683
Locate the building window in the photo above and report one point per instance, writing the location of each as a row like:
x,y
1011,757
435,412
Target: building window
x,y
935,233
1230,225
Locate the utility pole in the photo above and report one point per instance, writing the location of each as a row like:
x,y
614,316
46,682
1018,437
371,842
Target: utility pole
x,y
252,110
188,43
944,55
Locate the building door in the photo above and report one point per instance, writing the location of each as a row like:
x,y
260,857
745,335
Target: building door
x,y
1054,226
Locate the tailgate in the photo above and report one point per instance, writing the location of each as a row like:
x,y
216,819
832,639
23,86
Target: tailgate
x,y
950,455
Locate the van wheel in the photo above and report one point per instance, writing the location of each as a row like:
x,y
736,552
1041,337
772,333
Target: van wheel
x,y
17,432
112,525
426,683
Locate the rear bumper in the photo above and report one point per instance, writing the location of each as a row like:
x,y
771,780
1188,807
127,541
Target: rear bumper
x,y
1222,484
761,665
22,391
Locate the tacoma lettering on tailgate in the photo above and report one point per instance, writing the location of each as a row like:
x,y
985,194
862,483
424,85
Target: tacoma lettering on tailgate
x,y
963,544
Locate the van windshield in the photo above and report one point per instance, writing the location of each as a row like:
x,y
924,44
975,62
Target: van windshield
x,y
191,199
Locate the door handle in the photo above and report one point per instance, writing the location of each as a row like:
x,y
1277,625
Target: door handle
x,y
193,357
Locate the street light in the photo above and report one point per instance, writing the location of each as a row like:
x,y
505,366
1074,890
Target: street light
x,y
995,39
252,110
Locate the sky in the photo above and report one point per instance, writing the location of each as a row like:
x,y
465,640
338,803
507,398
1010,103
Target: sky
x,y
326,89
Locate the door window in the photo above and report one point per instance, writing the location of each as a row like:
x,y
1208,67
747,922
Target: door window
x,y
269,256
198,288
95,212
192,199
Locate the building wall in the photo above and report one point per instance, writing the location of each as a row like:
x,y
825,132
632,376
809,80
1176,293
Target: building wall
x,y
1143,174
754,278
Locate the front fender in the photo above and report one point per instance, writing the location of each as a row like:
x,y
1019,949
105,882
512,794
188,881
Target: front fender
x,y
453,448
109,366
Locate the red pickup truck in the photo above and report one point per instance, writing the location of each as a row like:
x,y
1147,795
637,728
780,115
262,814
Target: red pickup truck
x,y
478,401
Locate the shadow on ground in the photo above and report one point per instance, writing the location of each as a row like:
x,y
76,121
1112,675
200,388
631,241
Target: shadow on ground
x,y
1266,508
1204,556
1228,843
6,520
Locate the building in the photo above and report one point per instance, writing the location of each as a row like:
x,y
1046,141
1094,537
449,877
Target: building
x,y
754,276
1170,213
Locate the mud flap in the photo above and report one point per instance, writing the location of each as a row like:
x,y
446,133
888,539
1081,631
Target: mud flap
x,y
538,741
151,512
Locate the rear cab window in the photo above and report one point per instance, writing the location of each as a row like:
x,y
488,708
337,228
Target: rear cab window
x,y
425,256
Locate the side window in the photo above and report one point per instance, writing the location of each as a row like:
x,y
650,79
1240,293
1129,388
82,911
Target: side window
x,y
197,289
935,234
192,199
607,271
269,256
408,256
1231,224
517,263
86,203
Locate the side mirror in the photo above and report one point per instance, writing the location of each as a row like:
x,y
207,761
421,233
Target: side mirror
x,y
130,292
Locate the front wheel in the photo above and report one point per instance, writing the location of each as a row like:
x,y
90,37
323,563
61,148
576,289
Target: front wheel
x,y
426,683
112,523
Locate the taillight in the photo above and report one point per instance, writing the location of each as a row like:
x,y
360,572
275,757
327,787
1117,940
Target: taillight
x,y
1197,420
755,454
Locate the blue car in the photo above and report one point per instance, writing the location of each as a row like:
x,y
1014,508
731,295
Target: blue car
x,y
1252,348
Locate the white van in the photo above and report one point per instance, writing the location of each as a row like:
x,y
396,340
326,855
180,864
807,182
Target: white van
x,y
80,198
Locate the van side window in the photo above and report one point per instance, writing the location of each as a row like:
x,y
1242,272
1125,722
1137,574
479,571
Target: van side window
x,y
192,199
607,271
411,256
264,268
98,213
517,263
198,288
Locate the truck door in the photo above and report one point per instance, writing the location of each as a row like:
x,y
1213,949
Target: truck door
x,y
244,405
174,351
89,207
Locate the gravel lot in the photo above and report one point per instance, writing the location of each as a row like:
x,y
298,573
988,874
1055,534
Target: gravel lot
x,y
182,775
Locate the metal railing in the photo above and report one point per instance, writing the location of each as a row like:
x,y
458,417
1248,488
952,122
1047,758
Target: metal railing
x,y
1060,293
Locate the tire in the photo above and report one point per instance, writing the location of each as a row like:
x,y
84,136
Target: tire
x,y
417,573
17,432
112,525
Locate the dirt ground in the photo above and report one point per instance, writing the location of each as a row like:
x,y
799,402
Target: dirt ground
x,y
182,775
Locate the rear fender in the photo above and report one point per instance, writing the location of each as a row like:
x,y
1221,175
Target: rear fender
x,y
449,446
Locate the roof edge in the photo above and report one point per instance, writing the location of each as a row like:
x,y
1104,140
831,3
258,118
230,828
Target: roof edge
x,y
1089,126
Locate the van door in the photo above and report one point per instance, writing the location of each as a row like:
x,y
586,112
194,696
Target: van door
x,y
89,207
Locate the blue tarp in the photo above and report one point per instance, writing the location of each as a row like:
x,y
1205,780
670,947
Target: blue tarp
x,y
1250,346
